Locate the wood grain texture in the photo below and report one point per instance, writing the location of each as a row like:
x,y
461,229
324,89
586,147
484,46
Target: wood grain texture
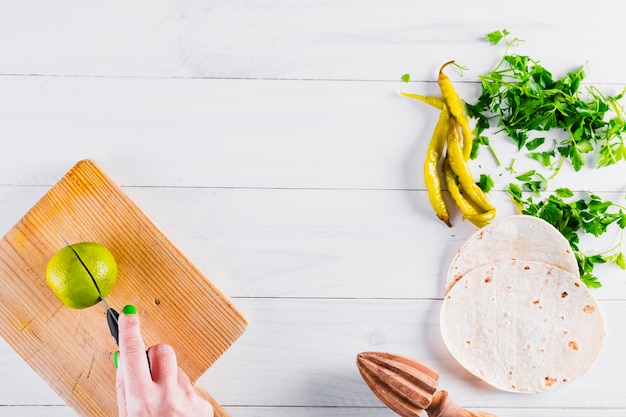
x,y
71,349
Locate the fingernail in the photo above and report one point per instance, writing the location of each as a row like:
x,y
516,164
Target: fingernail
x,y
116,359
129,309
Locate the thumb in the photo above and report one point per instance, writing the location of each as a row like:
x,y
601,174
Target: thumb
x,y
132,358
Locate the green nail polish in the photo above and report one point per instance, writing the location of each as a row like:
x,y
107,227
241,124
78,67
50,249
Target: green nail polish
x,y
129,309
116,359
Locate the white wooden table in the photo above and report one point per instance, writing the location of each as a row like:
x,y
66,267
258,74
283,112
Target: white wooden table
x,y
269,141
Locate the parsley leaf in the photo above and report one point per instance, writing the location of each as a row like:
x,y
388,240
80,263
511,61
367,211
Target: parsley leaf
x,y
496,36
485,182
533,181
520,96
564,192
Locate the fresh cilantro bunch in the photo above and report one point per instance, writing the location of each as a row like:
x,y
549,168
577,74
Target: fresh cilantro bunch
x,y
519,96
522,99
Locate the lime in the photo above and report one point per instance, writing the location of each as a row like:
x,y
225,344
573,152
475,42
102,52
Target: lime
x,y
70,281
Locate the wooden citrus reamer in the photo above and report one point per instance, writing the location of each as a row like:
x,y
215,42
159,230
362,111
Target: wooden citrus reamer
x,y
408,387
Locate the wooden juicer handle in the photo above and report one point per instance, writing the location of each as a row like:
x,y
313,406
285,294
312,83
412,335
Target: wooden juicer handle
x,y
408,387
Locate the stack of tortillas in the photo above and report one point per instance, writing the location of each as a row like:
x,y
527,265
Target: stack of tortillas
x,y
515,313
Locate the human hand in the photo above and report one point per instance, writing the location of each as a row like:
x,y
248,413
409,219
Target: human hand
x,y
159,388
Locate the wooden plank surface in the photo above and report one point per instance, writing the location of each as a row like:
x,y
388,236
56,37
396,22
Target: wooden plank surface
x,y
314,343
269,140
212,133
71,349
305,39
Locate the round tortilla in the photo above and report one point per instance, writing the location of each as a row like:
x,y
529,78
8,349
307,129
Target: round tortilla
x,y
515,237
522,326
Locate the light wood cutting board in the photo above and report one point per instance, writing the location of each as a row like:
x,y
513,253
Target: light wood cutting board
x,y
72,349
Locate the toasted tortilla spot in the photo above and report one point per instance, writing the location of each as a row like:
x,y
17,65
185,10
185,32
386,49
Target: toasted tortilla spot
x,y
572,345
550,381
589,309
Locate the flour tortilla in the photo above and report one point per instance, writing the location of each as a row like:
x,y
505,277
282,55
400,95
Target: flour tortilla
x,y
515,237
522,326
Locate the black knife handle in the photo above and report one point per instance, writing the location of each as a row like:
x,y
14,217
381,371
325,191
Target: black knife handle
x,y
112,317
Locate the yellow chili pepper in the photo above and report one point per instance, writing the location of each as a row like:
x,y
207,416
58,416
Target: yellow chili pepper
x,y
431,173
470,212
433,101
461,169
482,219
457,109
475,206
433,156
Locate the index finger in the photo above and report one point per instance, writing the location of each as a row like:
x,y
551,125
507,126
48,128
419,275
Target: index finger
x,y
133,359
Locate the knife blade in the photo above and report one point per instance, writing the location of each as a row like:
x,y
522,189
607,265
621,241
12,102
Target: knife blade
x,y
112,315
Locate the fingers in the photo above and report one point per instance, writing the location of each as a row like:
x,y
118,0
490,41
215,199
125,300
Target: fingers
x,y
149,384
185,383
133,361
164,365
165,369
201,403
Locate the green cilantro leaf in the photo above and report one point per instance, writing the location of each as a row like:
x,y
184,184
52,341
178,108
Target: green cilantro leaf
x,y
535,143
496,36
564,192
485,183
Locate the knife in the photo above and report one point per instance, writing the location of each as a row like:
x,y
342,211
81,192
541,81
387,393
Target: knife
x,y
112,315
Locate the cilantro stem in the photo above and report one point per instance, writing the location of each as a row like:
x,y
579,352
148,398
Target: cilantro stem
x,y
511,168
493,153
558,168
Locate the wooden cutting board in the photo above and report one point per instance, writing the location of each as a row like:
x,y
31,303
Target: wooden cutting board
x,y
72,349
